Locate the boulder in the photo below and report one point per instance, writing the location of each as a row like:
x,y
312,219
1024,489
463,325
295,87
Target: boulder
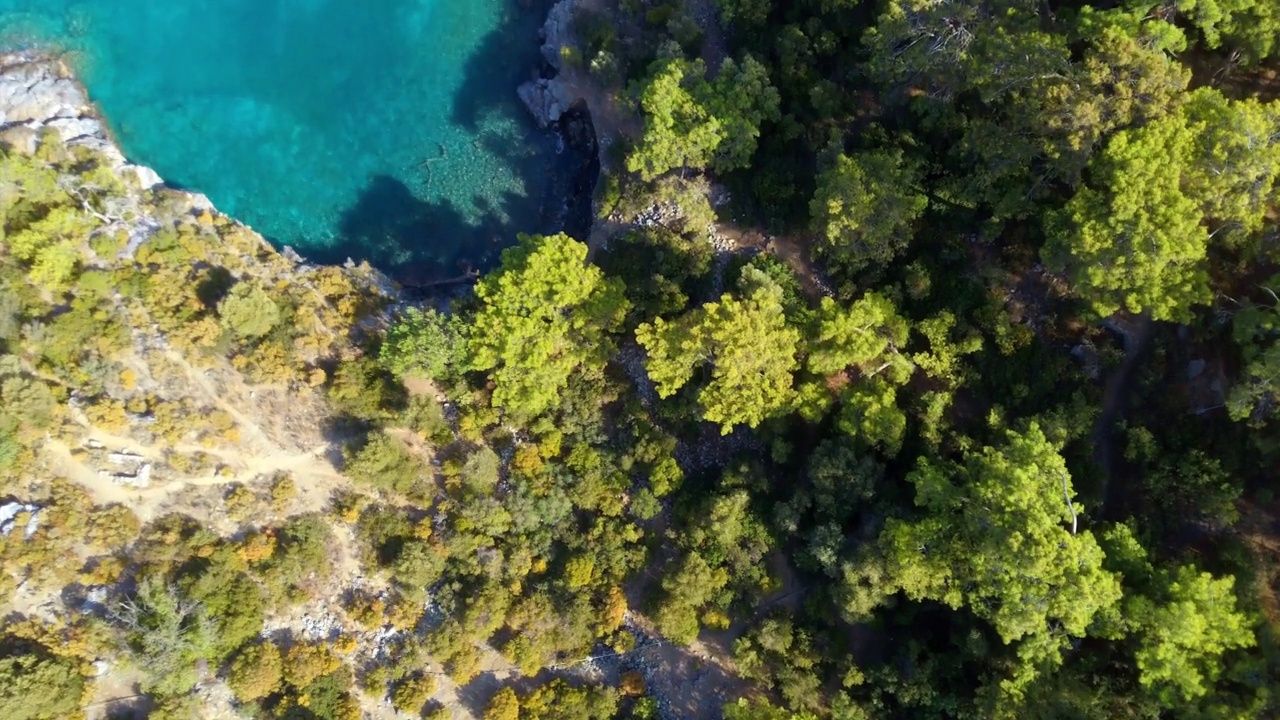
x,y
547,100
557,32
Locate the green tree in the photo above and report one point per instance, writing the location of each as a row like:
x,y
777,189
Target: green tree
x,y
424,342
1000,535
1255,394
748,345
693,584
1249,26
742,98
679,130
38,686
865,207
544,314
1133,239
1235,157
256,672
168,634
1181,640
691,122
249,311
384,463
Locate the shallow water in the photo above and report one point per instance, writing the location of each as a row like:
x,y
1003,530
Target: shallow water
x,y
378,129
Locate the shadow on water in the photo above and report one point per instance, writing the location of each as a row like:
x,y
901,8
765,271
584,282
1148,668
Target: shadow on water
x,y
420,241
491,75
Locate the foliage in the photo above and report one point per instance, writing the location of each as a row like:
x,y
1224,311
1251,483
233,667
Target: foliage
x,y
865,207
544,314
35,685
748,345
426,343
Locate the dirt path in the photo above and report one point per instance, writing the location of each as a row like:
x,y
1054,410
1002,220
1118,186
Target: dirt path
x,y
1115,398
715,46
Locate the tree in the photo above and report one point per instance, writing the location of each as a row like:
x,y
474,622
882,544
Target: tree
x,y
1000,535
304,663
679,131
425,343
1249,26
38,686
865,207
168,635
945,48
544,314
413,693
1181,641
384,463
558,700
504,705
1235,157
249,311
1133,240
693,584
742,98
748,345
693,123
256,672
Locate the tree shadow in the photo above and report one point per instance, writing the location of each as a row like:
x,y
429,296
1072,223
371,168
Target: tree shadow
x,y
507,56
417,241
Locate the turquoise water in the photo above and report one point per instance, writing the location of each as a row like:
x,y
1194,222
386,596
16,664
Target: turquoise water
x,y
379,129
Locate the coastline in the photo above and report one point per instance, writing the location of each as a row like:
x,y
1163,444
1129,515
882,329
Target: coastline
x,y
39,93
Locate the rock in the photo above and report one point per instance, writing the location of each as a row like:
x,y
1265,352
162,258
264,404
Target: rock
x,y
547,100
557,32
1195,368
32,91
145,176
9,514
124,458
36,95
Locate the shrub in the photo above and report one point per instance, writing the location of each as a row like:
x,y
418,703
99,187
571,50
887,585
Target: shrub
x,y
248,311
256,672
412,694
384,463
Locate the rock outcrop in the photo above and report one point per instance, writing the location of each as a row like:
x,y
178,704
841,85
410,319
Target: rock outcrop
x,y
550,96
38,95
547,100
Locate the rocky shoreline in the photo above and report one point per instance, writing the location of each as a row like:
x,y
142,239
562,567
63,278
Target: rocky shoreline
x,y
39,94
555,106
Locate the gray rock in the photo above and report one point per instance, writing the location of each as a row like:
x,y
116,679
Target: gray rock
x,y
1195,368
557,32
145,176
546,99
9,513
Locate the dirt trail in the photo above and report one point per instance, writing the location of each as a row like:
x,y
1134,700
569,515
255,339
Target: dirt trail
x,y
1115,398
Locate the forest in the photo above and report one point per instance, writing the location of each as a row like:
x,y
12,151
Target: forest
x,y
984,428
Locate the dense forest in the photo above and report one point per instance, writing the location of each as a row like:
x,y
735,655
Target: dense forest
x,y
984,426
